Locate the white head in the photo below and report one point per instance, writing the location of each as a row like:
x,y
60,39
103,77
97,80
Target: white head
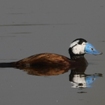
x,y
80,47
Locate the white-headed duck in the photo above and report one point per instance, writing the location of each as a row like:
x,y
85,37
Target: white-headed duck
x,y
51,62
78,48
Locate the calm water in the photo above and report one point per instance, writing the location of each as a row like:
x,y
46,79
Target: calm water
x,y
29,27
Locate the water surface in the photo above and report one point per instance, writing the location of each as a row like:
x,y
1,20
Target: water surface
x,y
31,27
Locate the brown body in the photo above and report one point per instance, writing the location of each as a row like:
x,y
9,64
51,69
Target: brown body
x,y
46,64
44,60
49,64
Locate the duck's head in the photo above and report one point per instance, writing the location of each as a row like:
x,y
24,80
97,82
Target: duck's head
x,y
80,46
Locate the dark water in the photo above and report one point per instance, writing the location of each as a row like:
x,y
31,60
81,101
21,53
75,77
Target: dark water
x,y
29,27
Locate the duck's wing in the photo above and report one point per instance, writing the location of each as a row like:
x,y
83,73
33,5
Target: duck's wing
x,y
45,59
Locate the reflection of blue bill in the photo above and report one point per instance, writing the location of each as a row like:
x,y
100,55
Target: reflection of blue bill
x,y
83,81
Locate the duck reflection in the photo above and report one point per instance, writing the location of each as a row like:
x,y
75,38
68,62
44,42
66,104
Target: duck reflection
x,y
79,79
50,64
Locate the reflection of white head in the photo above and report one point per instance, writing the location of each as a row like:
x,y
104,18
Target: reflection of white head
x,y
79,81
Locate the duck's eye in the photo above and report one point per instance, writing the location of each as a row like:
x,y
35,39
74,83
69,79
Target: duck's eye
x,y
80,42
92,49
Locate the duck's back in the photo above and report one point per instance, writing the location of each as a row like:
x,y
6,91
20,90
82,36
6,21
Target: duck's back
x,y
45,60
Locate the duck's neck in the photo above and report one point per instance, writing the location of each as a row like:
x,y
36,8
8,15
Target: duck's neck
x,y
80,62
74,57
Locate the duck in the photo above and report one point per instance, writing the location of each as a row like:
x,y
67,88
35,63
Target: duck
x,y
51,63
77,49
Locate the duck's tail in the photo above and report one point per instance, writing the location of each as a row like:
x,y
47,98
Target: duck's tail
x,y
8,64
